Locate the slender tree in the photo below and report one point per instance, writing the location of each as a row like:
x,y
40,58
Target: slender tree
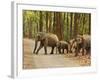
x,y
67,27
71,20
47,21
58,25
89,24
50,21
30,27
41,22
54,23
75,24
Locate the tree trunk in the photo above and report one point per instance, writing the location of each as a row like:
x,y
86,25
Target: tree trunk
x,y
47,26
83,29
71,19
50,21
67,27
30,28
24,35
75,25
41,22
89,24
64,25
54,23
58,25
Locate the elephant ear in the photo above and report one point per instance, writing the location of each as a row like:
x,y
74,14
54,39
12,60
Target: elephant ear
x,y
39,36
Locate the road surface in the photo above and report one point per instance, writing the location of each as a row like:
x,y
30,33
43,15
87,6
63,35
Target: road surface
x,y
41,60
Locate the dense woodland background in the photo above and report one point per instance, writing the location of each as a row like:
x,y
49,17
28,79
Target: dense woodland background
x,y
66,25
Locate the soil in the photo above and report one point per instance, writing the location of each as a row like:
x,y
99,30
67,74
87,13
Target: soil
x,y
40,60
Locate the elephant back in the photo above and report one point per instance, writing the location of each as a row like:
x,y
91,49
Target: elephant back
x,y
51,39
63,44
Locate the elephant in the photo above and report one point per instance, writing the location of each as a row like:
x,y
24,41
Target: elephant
x,y
46,39
62,45
70,44
82,43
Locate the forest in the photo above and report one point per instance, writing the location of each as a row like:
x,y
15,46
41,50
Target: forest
x,y
66,25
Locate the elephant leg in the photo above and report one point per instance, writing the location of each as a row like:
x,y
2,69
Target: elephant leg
x,y
70,50
45,48
67,50
59,50
39,48
88,50
76,52
35,47
56,50
52,50
63,51
83,51
45,43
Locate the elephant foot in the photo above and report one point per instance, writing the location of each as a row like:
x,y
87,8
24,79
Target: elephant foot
x,y
82,54
60,53
51,53
36,53
76,55
45,53
33,52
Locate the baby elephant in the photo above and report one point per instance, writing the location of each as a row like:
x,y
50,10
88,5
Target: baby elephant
x,y
62,45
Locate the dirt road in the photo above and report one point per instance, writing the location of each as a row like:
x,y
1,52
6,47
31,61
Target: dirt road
x,y
41,60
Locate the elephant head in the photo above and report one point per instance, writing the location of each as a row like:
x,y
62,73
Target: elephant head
x,y
39,37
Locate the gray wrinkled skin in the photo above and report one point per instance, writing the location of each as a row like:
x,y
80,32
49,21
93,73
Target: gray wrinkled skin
x,y
70,46
62,45
46,39
82,43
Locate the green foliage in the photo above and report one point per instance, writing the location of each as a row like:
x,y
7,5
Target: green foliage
x,y
65,24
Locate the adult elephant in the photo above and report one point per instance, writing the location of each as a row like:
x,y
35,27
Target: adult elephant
x,y
46,39
82,43
86,44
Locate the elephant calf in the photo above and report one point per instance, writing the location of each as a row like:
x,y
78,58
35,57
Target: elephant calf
x,y
46,39
62,45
